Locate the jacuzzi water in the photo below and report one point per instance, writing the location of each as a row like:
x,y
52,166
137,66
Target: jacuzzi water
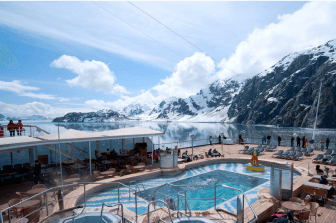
x,y
230,174
94,217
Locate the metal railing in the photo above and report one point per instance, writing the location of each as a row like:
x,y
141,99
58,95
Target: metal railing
x,y
30,129
60,189
122,211
215,196
186,204
161,201
137,187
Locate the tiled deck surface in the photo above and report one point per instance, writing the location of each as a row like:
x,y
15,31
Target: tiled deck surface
x,y
326,213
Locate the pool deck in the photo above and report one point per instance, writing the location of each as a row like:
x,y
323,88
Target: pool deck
x,y
264,207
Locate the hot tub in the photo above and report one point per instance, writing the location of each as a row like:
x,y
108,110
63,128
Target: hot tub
x,y
91,217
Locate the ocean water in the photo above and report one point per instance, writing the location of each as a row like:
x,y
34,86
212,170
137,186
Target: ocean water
x,y
176,133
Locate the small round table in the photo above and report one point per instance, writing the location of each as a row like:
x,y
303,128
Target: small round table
x,y
107,173
29,203
71,180
36,191
293,206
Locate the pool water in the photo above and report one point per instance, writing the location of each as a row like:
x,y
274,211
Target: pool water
x,y
231,174
199,189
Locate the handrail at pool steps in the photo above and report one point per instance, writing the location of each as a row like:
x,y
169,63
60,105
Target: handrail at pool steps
x,y
155,201
136,186
110,206
186,204
215,196
61,200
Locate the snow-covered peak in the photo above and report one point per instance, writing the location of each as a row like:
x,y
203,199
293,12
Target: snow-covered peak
x,y
328,50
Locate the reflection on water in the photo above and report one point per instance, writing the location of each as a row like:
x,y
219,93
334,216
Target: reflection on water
x,y
179,133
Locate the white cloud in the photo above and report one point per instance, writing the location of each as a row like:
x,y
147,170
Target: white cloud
x,y
36,108
191,74
93,75
312,25
16,87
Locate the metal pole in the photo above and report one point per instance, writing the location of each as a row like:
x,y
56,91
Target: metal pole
x,y
318,104
308,167
59,146
118,194
152,157
9,216
178,199
215,197
46,195
136,207
280,185
192,148
90,157
11,155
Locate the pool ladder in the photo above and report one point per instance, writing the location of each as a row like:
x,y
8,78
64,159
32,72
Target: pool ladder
x,y
137,188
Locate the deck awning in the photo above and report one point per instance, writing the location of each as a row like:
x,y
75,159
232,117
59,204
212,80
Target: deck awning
x,y
69,136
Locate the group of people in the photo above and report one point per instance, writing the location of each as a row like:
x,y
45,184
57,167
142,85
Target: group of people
x,y
214,153
12,127
324,180
219,139
263,139
109,154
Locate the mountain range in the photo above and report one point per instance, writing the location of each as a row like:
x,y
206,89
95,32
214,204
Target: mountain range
x,y
286,94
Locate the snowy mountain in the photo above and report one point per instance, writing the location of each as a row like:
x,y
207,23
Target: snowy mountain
x,y
286,94
208,105
104,115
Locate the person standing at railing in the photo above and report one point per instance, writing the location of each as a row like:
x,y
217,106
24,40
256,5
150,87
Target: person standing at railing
x,y
298,140
279,140
269,139
11,128
219,139
322,145
303,141
1,131
292,141
263,139
19,128
210,139
327,143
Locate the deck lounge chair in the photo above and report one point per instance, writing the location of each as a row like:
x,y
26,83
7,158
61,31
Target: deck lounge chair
x,y
282,156
318,158
328,153
332,161
298,156
303,150
292,148
278,153
333,153
269,148
309,152
244,150
249,151
290,156
259,146
326,159
297,150
275,147
261,150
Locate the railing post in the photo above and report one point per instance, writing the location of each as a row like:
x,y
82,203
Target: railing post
x,y
85,195
9,216
46,195
178,199
118,194
215,197
136,208
1,217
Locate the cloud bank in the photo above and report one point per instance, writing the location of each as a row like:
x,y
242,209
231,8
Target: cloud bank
x,y
93,75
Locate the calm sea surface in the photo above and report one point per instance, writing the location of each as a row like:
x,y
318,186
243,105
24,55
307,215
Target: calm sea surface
x,y
177,133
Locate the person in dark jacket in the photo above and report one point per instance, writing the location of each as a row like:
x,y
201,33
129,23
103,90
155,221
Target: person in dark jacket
x,y
279,140
324,181
219,139
11,128
298,140
292,141
263,139
37,172
303,141
269,139
318,170
327,143
210,139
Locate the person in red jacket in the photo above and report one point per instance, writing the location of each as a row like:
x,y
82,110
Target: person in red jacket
x,y
19,128
11,128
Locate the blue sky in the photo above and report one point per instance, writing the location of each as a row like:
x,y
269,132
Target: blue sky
x,y
76,56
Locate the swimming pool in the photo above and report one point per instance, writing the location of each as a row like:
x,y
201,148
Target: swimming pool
x,y
231,174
